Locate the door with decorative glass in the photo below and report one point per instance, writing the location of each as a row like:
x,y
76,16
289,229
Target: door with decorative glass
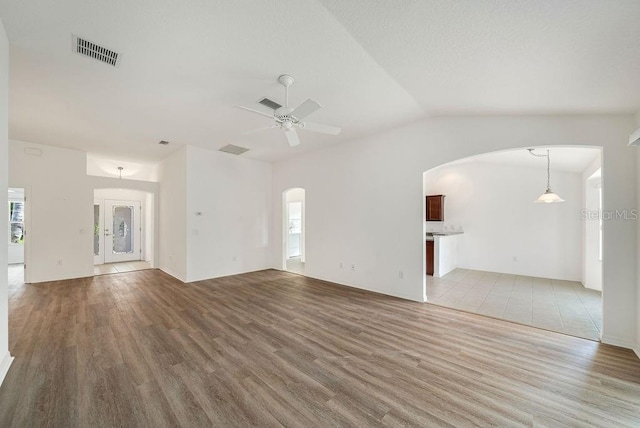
x,y
122,231
98,232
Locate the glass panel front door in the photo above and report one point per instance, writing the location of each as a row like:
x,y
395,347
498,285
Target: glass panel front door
x,y
123,225
122,231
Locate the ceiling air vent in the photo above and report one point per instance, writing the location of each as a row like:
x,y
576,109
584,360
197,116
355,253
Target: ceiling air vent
x,y
268,103
92,50
164,143
234,150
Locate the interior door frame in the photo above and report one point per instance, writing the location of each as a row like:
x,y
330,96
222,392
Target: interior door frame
x,y
300,238
99,259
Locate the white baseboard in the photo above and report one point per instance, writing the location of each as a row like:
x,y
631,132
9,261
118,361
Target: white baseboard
x,y
4,366
169,272
616,341
636,349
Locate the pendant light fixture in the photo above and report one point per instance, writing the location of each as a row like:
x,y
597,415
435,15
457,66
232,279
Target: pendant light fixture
x,y
548,196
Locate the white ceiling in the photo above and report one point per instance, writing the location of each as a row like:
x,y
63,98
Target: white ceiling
x,y
566,159
373,65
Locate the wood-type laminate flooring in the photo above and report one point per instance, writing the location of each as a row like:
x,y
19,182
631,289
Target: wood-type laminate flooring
x,y
273,349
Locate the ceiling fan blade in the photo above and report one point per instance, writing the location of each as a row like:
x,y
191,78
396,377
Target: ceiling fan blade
x,y
264,128
305,109
292,137
269,103
255,111
318,127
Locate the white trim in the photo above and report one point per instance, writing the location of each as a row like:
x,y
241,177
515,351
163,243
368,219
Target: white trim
x,y
637,350
4,366
616,341
170,273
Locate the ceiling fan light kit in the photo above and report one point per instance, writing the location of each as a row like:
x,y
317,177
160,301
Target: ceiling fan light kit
x,y
289,119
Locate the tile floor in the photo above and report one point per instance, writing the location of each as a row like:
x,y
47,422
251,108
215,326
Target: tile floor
x,y
561,306
295,265
16,271
108,268
16,275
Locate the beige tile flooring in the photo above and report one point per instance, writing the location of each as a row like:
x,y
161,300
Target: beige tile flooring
x,y
295,265
561,306
108,268
16,271
15,275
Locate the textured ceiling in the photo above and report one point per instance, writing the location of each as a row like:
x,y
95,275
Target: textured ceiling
x,y
565,159
373,65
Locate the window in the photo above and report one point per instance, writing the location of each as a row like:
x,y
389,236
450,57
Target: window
x,y
16,223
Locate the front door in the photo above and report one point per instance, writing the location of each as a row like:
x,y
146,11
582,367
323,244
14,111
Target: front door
x,y
122,231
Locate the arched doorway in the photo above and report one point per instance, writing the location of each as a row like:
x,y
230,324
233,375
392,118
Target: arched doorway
x,y
496,253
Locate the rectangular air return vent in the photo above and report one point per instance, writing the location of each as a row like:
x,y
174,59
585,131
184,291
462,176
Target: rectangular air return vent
x,y
164,143
234,150
269,103
92,50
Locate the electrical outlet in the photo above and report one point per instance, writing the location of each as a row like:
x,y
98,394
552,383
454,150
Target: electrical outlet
x,y
341,265
353,267
401,274
59,262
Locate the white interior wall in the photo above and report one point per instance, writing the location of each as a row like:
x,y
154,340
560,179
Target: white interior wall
x,y
228,213
504,231
5,356
591,263
297,195
148,249
377,184
172,219
146,202
637,344
59,211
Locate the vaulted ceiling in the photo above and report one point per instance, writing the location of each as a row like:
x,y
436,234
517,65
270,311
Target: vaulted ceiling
x,y
372,64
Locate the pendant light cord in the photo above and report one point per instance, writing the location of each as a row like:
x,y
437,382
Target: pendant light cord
x,y
548,166
548,171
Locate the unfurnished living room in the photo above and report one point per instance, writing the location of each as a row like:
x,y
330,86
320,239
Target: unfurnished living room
x,y
320,213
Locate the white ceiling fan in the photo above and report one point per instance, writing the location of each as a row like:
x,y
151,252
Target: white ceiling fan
x,y
288,119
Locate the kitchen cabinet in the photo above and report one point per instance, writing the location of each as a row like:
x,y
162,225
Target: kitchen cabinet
x,y
429,257
441,253
435,208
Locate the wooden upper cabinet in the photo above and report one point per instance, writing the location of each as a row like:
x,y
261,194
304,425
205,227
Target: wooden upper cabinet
x,y
435,208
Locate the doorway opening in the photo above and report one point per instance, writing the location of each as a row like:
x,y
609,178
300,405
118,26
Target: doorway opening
x,y
496,253
122,231
17,236
293,250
